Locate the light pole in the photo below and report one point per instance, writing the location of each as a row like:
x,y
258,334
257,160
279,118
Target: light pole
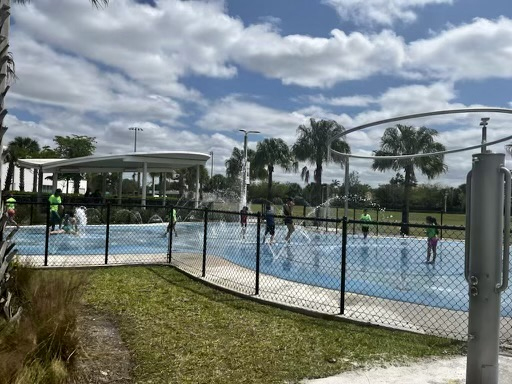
x,y
211,171
135,129
483,122
243,189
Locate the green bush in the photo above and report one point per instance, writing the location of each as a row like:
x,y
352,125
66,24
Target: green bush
x,y
41,348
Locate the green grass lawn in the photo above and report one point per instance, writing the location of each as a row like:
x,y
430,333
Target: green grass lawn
x,y
181,331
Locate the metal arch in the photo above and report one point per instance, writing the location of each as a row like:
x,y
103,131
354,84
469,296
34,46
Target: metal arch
x,y
417,115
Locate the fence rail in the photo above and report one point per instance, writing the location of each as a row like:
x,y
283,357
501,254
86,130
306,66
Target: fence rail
x,y
329,264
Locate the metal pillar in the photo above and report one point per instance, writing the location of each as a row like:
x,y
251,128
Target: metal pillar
x,y
120,194
54,181
104,185
198,169
144,182
347,186
164,188
40,184
487,218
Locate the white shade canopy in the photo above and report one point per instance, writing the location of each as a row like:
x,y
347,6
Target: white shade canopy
x,y
128,162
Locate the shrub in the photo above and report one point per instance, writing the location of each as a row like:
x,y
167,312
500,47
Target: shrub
x,y
42,346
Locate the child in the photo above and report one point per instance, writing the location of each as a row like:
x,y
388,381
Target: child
x,y
271,226
172,223
69,226
431,239
10,205
243,220
365,227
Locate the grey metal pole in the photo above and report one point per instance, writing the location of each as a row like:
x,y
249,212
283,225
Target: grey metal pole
x,y
483,264
347,186
244,186
198,170
211,170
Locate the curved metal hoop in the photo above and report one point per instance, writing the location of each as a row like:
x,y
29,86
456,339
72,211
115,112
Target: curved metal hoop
x,y
417,115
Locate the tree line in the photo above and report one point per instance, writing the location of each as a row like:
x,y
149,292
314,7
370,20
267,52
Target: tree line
x,y
311,147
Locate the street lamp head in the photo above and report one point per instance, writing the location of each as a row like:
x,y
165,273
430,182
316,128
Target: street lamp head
x,y
135,129
247,132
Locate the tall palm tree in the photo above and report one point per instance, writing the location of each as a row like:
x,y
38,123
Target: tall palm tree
x,y
235,162
19,148
312,147
24,147
272,152
408,140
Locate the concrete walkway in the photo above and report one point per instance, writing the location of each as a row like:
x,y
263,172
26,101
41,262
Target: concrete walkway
x,y
447,371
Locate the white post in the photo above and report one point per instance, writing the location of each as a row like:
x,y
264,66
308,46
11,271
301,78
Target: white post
x,y
347,186
198,169
144,182
120,194
164,189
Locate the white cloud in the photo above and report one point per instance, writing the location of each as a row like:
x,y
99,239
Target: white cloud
x,y
481,49
380,12
318,62
233,113
344,101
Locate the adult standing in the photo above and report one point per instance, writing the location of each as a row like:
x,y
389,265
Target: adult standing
x,y
55,201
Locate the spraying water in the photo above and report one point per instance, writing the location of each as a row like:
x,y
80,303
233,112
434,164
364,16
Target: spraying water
x,y
81,218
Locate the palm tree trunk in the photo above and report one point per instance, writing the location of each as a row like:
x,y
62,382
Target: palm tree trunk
x,y
407,193
22,179
269,187
8,176
318,180
34,180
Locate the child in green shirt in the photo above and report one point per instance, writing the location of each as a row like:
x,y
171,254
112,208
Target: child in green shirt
x,y
431,239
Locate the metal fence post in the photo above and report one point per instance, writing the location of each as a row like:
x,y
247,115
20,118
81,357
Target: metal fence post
x,y
441,234
204,240
169,249
107,235
343,264
31,213
258,250
354,224
47,235
337,218
377,226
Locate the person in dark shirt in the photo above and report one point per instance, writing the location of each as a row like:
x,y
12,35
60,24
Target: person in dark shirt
x,y
243,220
270,228
287,212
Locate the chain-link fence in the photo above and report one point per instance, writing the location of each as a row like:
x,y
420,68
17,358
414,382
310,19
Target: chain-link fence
x,y
362,270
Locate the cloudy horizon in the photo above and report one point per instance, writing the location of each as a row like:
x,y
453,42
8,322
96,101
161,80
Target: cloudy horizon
x,y
192,73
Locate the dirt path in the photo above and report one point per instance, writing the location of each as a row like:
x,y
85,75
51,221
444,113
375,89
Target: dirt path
x,y
102,356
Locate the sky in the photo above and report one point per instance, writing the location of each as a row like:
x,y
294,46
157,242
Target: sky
x,y
192,73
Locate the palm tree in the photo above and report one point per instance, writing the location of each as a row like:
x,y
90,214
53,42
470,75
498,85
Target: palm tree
x,y
19,148
408,140
235,162
272,152
24,147
312,147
